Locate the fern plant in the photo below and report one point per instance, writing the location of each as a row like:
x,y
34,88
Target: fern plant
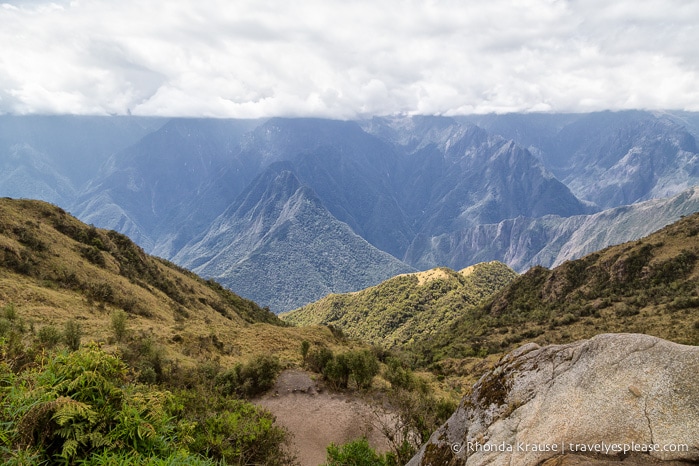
x,y
82,403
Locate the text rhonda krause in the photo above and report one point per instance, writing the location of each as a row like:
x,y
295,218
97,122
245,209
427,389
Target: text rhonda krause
x,y
605,448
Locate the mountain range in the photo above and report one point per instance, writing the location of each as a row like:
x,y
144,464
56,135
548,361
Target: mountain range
x,y
285,211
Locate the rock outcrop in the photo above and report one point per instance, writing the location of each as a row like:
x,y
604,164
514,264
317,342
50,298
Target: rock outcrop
x,y
614,396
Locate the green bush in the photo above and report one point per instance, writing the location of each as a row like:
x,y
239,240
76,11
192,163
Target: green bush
x,y
93,254
84,407
147,357
250,379
359,366
5,326
305,347
355,453
568,318
100,292
82,403
49,336
111,458
363,367
119,318
9,312
318,358
337,371
397,375
235,431
72,334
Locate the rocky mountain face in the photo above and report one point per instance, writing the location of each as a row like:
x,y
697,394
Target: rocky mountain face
x,y
524,242
610,158
166,188
454,176
52,157
627,389
429,191
278,243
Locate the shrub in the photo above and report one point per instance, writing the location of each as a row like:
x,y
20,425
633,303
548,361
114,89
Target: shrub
x,y
568,318
82,403
119,318
5,326
93,255
49,336
72,334
318,358
250,379
625,310
147,357
355,453
259,375
236,431
9,312
363,366
305,346
84,407
336,332
29,239
123,458
100,292
675,268
244,434
415,414
337,371
397,375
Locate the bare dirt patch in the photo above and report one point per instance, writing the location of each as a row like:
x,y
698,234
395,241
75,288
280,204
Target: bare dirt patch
x,y
317,417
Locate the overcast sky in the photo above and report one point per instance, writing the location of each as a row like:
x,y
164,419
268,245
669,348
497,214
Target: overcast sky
x,y
346,59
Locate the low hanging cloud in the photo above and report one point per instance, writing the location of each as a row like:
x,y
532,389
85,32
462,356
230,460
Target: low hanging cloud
x,y
346,59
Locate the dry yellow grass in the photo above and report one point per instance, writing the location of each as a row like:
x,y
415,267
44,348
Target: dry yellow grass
x,y
47,274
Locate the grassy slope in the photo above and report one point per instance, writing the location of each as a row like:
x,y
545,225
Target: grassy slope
x,y
54,268
408,307
647,286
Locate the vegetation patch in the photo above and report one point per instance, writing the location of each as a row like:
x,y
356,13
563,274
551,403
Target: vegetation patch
x,y
406,308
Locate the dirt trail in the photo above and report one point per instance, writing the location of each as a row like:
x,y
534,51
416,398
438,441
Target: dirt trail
x,y
317,418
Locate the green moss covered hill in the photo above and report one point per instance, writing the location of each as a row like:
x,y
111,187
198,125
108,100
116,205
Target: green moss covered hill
x,y
55,269
647,286
408,307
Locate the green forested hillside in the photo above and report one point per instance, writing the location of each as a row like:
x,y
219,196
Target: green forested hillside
x,y
647,286
408,307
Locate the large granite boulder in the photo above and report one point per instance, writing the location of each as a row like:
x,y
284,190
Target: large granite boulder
x,y
613,397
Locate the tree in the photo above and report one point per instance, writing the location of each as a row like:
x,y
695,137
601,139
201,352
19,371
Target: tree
x,y
337,371
363,366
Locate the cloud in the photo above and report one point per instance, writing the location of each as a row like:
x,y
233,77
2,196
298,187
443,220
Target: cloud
x,y
252,58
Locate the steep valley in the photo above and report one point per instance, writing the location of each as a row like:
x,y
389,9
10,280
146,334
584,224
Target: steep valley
x,y
402,193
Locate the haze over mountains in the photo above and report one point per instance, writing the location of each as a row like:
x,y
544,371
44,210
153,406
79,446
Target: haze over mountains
x,y
284,211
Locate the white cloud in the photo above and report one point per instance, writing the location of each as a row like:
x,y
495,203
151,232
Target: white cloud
x,y
251,58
